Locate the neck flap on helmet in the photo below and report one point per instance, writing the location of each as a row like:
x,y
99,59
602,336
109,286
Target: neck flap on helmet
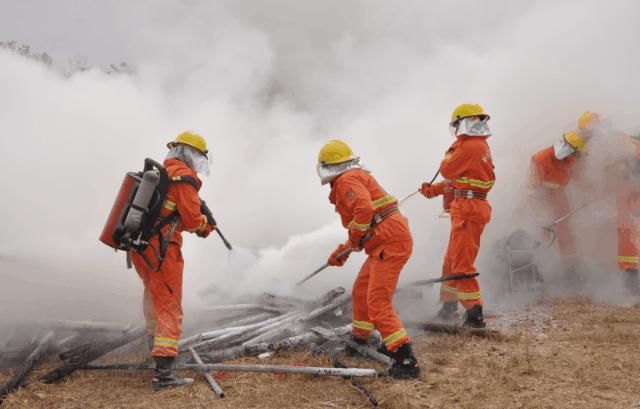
x,y
328,173
472,126
195,159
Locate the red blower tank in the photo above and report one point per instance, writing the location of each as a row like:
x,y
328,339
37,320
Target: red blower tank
x,y
114,221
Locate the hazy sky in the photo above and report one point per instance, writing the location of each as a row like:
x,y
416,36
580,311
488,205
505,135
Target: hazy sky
x,y
267,83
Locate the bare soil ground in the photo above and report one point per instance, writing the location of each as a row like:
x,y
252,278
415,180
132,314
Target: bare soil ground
x,y
560,354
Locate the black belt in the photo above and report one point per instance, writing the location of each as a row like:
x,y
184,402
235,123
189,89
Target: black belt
x,y
383,214
469,194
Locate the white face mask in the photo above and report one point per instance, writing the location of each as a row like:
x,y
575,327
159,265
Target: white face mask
x,y
562,149
329,172
195,159
472,127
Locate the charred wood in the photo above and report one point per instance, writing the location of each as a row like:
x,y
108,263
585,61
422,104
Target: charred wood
x,y
36,356
93,354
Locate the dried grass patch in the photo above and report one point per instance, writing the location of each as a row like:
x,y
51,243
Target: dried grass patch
x,y
589,359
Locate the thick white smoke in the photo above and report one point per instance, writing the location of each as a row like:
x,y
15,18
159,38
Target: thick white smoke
x,y
267,84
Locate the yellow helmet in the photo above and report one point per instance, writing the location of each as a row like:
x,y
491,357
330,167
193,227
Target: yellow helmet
x,y
191,139
576,141
467,110
588,120
335,151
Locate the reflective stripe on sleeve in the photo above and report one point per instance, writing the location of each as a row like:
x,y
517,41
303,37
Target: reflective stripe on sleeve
x,y
358,226
169,205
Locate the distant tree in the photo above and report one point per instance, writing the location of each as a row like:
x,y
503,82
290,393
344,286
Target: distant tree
x,y
76,64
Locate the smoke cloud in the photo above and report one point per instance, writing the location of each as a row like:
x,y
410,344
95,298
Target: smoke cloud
x,y
267,84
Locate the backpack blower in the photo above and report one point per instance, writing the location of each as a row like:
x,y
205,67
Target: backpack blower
x,y
135,215
136,209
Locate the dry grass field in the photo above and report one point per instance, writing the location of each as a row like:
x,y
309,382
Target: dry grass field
x,y
584,355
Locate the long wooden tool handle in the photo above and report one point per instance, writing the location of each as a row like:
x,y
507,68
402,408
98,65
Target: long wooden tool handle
x,y
340,255
442,279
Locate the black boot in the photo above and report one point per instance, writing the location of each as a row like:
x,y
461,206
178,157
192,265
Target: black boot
x,y
382,348
404,363
474,318
448,311
165,377
632,281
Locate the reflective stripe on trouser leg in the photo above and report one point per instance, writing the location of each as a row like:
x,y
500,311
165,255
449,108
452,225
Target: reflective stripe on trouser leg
x,y
469,292
448,293
166,343
361,329
394,340
165,288
362,325
384,274
627,251
464,248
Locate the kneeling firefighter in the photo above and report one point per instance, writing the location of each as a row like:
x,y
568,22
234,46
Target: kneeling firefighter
x,y
156,252
468,168
375,224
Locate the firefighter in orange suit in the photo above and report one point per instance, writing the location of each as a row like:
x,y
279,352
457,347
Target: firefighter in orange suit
x,y
468,168
628,201
160,265
551,170
374,223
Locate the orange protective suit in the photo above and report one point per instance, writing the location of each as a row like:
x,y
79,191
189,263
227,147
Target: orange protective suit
x,y
360,200
468,165
623,171
162,302
628,205
548,178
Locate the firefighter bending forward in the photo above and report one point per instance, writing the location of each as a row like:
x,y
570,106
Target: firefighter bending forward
x,y
552,169
467,165
375,224
162,273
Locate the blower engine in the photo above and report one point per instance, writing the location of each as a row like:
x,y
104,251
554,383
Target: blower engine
x,y
136,208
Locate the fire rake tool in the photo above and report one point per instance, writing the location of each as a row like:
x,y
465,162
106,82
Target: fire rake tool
x,y
552,227
207,212
432,281
347,251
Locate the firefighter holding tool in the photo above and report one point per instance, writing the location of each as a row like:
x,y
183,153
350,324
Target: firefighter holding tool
x,y
376,225
552,169
151,211
468,170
